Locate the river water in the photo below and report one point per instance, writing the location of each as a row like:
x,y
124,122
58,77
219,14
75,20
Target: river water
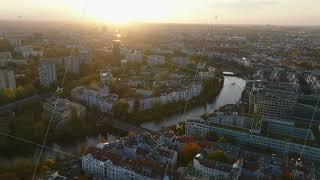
x,y
230,94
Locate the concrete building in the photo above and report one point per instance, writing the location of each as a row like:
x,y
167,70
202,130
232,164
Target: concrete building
x,y
47,73
156,60
7,79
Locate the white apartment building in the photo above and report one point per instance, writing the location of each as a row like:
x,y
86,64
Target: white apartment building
x,y
47,73
181,61
27,51
182,95
15,41
100,98
156,60
7,79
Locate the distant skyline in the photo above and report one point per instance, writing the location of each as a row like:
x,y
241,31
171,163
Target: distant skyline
x,y
275,12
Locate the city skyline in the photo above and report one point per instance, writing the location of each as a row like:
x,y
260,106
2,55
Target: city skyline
x,y
275,12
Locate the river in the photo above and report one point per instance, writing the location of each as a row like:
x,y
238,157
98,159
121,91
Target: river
x,y
229,94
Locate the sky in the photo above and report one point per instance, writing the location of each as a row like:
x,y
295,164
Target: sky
x,y
276,12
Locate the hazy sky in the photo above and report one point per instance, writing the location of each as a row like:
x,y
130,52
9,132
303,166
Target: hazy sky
x,y
279,12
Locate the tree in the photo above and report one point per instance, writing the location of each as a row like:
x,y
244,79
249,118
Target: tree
x,y
212,136
120,109
9,175
24,167
218,156
188,152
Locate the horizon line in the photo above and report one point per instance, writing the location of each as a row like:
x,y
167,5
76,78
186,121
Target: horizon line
x,y
154,22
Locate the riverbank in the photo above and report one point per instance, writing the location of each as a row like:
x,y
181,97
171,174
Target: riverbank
x,y
211,89
230,94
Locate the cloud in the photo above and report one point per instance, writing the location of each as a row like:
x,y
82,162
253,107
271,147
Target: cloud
x,y
245,3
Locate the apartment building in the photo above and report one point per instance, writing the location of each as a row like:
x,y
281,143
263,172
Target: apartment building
x,y
63,110
47,73
136,157
7,79
156,60
95,97
280,142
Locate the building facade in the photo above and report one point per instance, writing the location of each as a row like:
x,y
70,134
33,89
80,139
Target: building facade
x,y
47,73
7,79
200,127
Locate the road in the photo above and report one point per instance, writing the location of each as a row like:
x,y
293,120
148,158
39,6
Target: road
x,y
13,105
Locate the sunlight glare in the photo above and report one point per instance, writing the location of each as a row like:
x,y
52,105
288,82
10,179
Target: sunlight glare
x,y
124,11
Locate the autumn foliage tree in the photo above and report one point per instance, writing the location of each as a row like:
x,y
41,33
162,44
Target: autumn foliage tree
x,y
188,152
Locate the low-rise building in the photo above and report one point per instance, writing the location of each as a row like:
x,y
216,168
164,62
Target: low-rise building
x,y
216,169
